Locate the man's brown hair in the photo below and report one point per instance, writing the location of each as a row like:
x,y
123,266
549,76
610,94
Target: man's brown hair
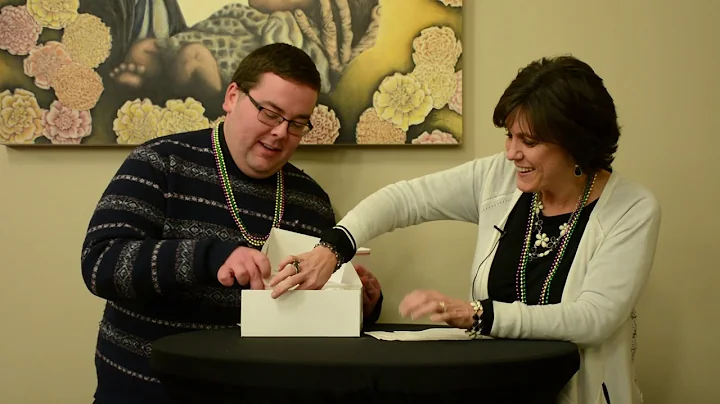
x,y
286,61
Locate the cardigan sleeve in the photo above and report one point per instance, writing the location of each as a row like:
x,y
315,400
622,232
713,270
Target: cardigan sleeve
x,y
616,275
450,194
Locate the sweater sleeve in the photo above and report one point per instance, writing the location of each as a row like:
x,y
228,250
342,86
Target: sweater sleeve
x,y
615,277
450,194
124,255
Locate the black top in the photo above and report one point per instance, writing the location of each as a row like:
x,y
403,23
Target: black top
x,y
154,244
502,277
355,364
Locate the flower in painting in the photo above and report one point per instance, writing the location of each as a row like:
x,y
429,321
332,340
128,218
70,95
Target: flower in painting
x,y
436,45
64,125
326,127
455,103
20,117
371,129
19,32
435,137
440,80
54,14
137,121
44,61
88,40
182,116
403,100
77,86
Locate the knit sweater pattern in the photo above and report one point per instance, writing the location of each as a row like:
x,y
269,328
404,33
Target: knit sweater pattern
x,y
156,240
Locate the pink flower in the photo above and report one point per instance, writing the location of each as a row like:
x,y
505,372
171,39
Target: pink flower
x,y
19,32
435,137
44,61
64,125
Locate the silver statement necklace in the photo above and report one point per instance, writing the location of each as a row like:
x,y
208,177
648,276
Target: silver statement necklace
x,y
544,244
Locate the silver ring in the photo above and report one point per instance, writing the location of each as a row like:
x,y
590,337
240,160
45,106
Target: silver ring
x,y
296,264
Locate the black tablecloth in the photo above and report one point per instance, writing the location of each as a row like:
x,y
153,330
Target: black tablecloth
x,y
215,365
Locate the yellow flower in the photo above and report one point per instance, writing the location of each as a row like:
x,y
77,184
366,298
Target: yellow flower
x,y
440,79
20,117
54,14
403,100
179,117
137,121
87,40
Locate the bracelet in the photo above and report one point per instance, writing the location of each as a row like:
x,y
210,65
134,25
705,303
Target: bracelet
x,y
474,330
334,251
340,242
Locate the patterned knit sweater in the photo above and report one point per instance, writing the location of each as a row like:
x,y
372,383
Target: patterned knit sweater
x,y
154,245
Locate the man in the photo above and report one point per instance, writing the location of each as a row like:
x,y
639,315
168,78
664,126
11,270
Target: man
x,y
176,235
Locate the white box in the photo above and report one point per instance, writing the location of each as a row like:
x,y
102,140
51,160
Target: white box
x,y
362,257
334,311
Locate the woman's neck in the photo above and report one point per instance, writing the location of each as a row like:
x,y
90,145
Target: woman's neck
x,y
563,199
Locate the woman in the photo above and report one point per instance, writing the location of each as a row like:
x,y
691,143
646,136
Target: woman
x,y
565,244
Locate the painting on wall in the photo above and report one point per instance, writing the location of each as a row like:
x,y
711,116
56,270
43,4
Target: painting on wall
x,y
121,72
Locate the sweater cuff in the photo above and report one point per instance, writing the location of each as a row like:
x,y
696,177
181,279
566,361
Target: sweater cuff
x,y
488,316
216,256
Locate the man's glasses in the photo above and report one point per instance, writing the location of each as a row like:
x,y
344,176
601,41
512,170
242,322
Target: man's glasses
x,y
273,119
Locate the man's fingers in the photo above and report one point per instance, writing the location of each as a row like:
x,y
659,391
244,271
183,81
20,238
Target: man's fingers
x,y
361,271
263,264
225,276
256,279
241,275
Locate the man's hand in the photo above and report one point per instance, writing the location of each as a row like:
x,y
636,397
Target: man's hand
x,y
246,265
371,289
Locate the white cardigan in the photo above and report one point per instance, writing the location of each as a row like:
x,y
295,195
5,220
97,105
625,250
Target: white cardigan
x,y
610,269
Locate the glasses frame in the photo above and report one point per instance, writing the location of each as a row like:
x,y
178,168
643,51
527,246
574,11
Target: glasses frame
x,y
275,119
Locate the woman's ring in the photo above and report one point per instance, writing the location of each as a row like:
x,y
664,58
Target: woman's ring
x,y
442,306
296,264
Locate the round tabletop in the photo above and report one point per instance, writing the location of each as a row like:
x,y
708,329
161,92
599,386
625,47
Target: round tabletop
x,y
353,364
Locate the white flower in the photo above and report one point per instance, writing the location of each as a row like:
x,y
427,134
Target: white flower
x,y
563,229
542,240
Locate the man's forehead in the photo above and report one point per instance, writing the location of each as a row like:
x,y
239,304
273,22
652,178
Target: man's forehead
x,y
285,97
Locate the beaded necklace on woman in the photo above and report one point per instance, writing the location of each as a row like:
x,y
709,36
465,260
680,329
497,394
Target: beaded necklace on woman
x,y
230,198
532,251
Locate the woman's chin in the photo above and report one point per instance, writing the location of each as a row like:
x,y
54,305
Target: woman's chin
x,y
526,185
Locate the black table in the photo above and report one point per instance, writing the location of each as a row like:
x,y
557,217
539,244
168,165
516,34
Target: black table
x,y
218,366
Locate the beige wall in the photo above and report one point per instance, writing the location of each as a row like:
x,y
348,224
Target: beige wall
x,y
660,61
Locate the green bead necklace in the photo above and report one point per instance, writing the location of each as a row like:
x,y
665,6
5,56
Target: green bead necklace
x,y
230,198
535,207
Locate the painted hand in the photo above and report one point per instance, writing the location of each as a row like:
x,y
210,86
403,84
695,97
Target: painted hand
x,y
441,308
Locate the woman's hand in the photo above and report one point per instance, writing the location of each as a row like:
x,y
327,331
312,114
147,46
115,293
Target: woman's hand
x,y
309,271
441,308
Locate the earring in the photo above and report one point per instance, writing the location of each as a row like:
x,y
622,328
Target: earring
x,y
578,171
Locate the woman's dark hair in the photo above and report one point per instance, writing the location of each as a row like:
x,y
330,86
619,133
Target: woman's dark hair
x,y
564,102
